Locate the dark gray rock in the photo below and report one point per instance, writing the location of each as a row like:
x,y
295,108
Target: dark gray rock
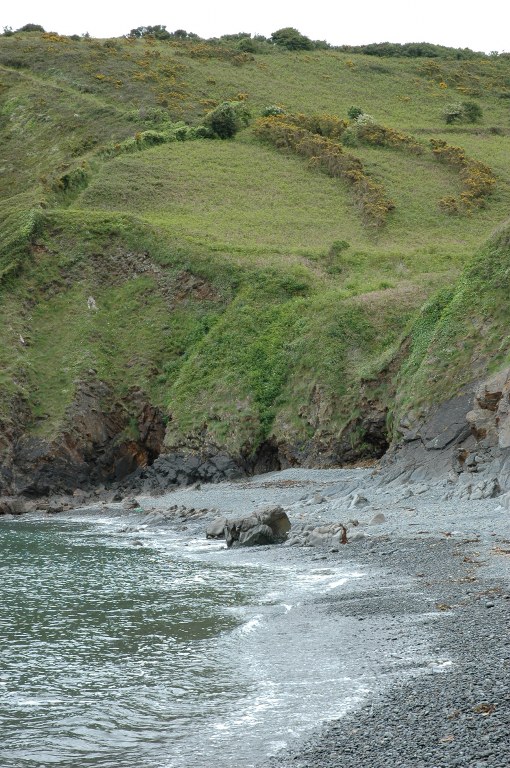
x,y
216,530
448,423
258,535
175,469
10,505
267,526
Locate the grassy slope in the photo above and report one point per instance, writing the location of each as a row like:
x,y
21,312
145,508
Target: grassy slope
x,y
462,333
209,261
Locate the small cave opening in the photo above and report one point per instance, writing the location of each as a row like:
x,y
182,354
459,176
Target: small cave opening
x,y
265,459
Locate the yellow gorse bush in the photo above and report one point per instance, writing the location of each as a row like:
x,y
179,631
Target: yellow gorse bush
x,y
287,133
478,179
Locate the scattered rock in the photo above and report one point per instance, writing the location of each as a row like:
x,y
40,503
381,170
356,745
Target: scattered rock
x,y
12,505
266,526
216,530
358,500
131,503
378,519
330,535
418,488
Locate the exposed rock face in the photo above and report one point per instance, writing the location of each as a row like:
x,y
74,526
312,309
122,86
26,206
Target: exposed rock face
x,y
489,419
11,506
330,535
101,439
181,468
364,437
267,526
466,439
11,431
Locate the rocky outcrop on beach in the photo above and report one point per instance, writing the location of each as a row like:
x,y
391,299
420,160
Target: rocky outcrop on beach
x,y
101,439
270,525
464,442
180,468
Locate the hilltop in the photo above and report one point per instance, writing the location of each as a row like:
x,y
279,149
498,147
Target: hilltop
x,y
307,291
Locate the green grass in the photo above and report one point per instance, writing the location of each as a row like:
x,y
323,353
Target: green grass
x,y
462,334
231,194
249,198
217,290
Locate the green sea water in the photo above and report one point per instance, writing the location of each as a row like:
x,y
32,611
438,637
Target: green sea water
x,y
155,649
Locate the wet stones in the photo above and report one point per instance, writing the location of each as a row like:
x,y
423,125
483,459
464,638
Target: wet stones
x,y
267,526
330,535
216,530
10,505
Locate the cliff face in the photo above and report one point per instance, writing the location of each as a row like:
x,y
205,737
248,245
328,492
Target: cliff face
x,y
101,439
462,442
176,308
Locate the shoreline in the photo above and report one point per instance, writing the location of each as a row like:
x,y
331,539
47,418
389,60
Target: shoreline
x,y
443,573
455,716
456,556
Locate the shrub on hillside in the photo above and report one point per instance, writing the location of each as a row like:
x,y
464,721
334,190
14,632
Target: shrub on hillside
x,y
354,112
292,39
472,111
478,179
31,28
367,131
158,31
288,133
322,124
247,45
272,110
452,113
465,112
228,118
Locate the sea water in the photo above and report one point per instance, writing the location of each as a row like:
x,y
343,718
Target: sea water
x,y
155,649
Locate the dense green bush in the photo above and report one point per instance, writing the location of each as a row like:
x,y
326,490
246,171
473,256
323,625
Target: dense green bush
x,y
159,31
465,112
31,28
247,45
354,112
227,119
472,111
412,50
292,39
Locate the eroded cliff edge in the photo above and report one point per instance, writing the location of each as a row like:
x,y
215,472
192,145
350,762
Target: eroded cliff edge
x,y
432,394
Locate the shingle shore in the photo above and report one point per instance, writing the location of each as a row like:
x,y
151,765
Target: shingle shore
x,y
458,716
452,560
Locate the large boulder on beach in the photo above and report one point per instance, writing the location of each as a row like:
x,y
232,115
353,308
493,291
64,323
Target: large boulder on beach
x,y
266,526
216,529
276,518
10,505
329,535
258,535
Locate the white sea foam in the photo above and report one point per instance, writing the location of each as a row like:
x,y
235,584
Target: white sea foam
x,y
251,625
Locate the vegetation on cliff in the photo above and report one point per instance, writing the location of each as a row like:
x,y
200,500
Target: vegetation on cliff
x,y
235,280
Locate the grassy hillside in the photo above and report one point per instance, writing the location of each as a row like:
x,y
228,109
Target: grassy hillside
x,y
238,285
